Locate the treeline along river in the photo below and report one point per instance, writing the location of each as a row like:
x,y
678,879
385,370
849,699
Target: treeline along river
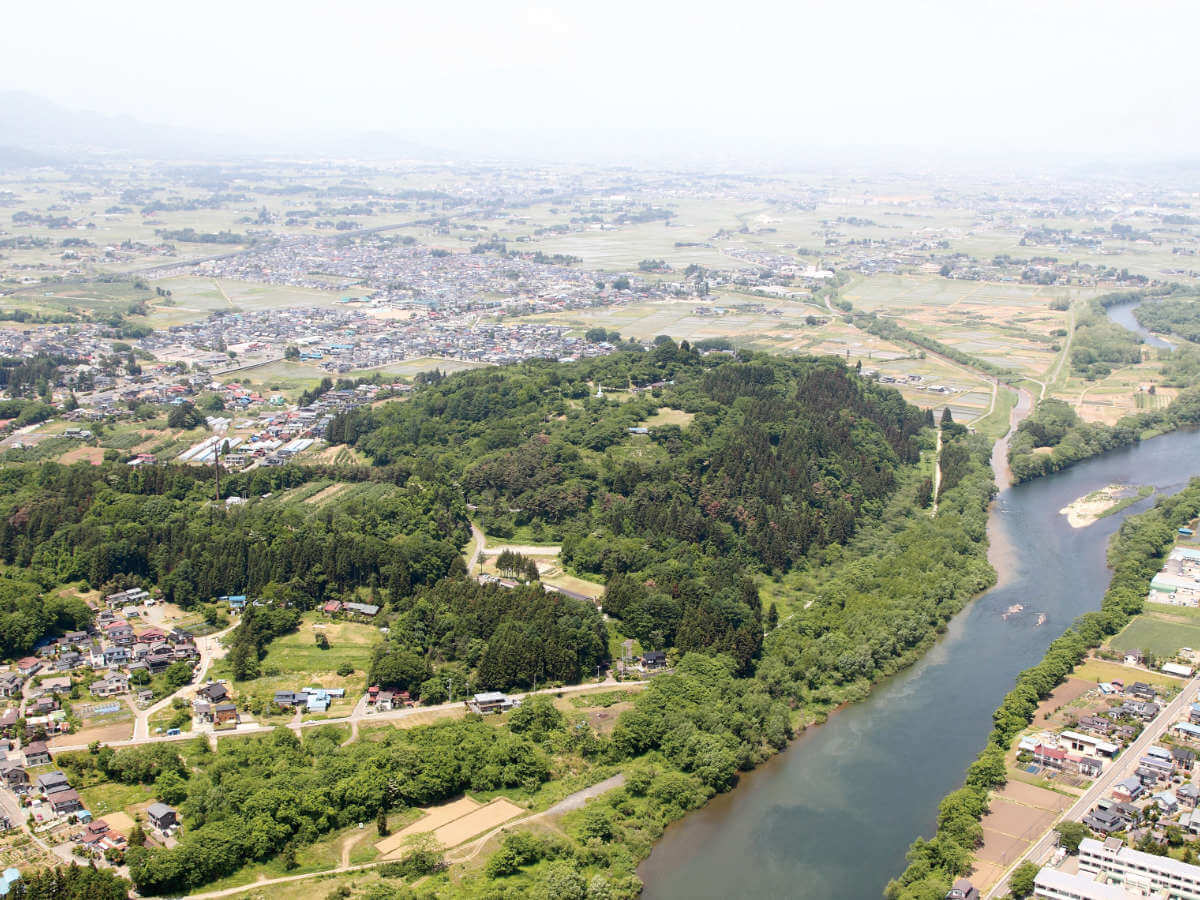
x,y
833,815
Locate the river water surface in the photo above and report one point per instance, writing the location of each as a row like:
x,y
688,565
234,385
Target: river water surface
x,y
1122,314
832,816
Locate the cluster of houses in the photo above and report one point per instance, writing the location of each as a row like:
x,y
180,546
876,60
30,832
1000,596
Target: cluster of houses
x,y
310,699
1160,792
1097,738
49,797
213,704
110,648
381,700
1162,776
274,438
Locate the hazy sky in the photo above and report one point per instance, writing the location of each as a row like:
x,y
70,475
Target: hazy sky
x,y
1093,76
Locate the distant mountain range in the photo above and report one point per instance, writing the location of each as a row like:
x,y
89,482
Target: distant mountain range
x,y
38,131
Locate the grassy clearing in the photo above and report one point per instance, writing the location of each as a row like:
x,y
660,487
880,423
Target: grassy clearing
x,y
1154,632
995,424
668,416
1099,670
295,661
410,367
298,652
111,797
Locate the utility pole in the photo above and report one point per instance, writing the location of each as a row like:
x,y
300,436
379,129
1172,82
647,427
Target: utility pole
x,y
449,690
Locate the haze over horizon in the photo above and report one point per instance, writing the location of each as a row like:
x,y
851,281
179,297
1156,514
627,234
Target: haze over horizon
x,y
1020,79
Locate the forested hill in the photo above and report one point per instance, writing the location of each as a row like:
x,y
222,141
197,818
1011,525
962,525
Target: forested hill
x,y
112,526
753,463
782,454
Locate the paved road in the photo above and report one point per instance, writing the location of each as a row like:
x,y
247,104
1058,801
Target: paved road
x,y
359,715
209,648
1128,761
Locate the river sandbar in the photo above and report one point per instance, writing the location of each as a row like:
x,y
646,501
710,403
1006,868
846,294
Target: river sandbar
x,y
1087,509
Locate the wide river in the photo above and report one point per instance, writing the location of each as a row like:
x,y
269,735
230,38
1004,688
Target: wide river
x,y
1123,315
832,816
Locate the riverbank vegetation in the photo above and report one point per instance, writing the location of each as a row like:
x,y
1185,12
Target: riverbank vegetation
x,y
1174,315
1054,437
1099,344
1135,555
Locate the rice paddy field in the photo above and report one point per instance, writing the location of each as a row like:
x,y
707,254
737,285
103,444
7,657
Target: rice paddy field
x,y
783,328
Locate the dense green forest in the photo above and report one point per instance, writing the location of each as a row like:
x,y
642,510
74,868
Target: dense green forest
x,y
782,457
1053,423
1099,344
1174,315
1135,555
73,882
876,603
515,638
1181,367
112,525
264,796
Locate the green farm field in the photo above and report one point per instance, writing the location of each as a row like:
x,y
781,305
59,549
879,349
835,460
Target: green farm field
x,y
1162,633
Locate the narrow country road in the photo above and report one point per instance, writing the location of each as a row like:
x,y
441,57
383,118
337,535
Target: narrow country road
x,y
474,845
209,648
480,549
1041,848
359,716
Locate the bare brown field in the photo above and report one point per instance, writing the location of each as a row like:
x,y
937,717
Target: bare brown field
x,y
984,875
119,821
483,819
119,731
1006,817
1000,849
94,455
1016,816
1032,795
435,817
1069,690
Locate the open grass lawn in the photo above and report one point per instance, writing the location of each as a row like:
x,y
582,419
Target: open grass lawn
x,y
1099,670
668,416
298,652
282,376
1160,633
294,661
111,797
